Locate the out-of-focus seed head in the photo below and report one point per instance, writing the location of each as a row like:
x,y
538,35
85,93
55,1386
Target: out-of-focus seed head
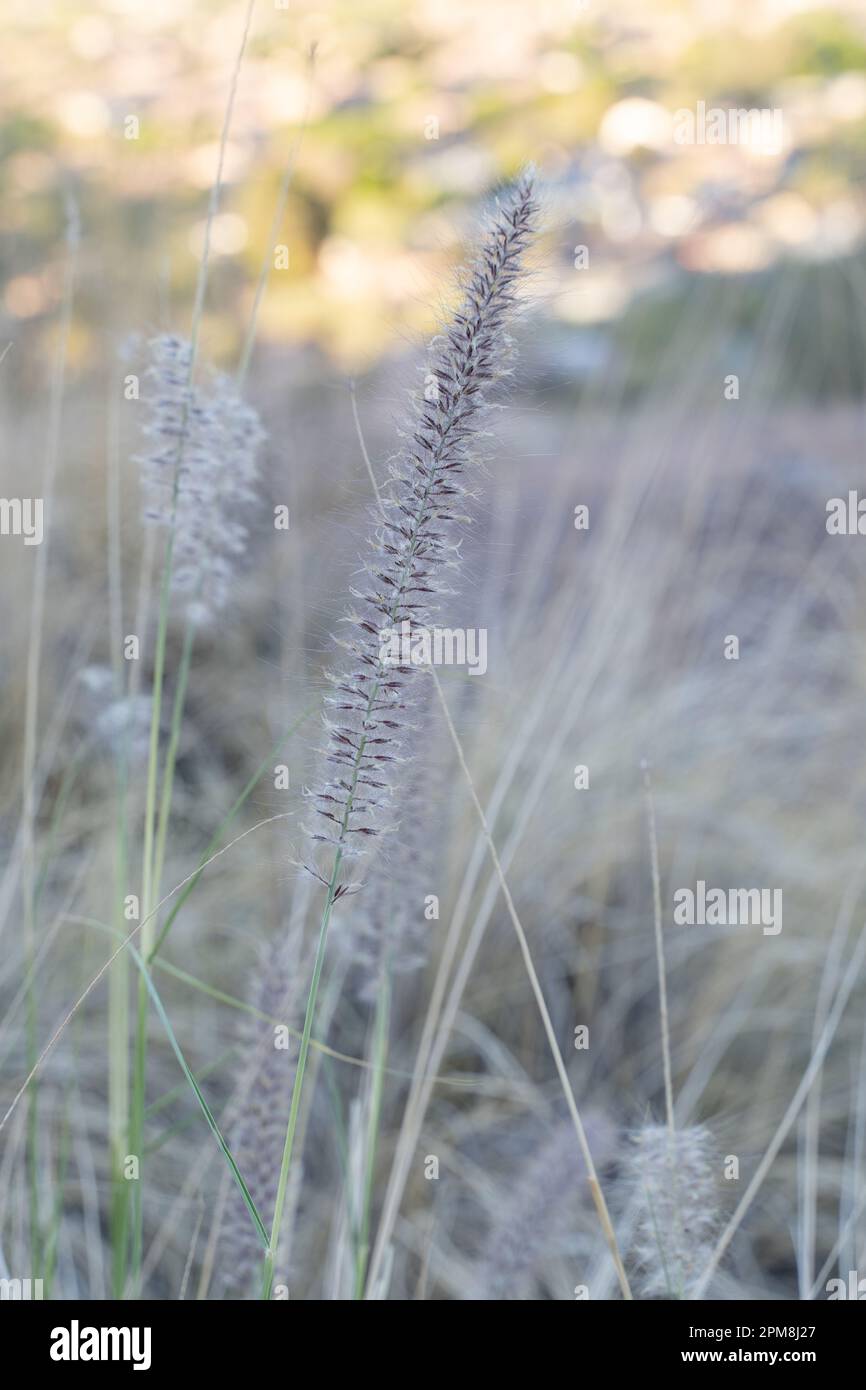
x,y
198,471
672,1181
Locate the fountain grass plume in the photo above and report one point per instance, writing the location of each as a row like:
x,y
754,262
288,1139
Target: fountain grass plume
x,y
533,1215
674,1186
270,1060
198,470
415,543
415,547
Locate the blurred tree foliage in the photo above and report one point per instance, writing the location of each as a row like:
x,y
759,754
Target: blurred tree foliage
x,y
410,113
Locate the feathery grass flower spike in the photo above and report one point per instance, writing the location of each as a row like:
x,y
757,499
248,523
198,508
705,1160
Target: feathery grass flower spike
x,y
258,1135
415,545
537,1210
671,1175
199,469
415,542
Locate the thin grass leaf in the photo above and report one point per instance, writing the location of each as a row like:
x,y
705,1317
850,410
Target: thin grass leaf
x,y
205,1108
